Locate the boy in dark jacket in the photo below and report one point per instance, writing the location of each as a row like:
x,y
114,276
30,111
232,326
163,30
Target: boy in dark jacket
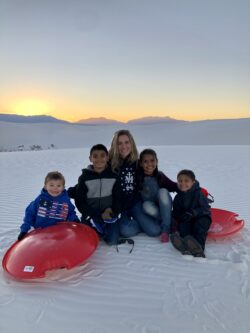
x,y
50,207
97,195
192,211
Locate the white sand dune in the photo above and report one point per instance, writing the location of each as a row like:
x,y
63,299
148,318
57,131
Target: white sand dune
x,y
154,289
212,132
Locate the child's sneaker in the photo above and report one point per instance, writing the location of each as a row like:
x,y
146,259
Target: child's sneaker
x,y
164,238
199,255
193,246
178,243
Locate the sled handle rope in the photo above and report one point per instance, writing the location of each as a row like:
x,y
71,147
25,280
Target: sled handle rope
x,y
209,196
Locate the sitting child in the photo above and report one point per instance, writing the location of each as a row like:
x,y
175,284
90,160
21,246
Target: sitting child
x,y
191,209
154,210
97,195
51,206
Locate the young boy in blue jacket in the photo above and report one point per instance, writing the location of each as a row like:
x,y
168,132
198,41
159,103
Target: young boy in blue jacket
x,y
51,206
97,195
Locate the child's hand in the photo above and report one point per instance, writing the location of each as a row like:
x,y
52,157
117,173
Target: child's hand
x,y
186,217
107,214
21,235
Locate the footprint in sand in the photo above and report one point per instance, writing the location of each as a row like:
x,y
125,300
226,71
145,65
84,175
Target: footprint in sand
x,y
37,310
6,299
238,255
239,260
245,289
35,315
234,257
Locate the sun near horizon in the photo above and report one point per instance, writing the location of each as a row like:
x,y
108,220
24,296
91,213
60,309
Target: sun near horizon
x,y
30,107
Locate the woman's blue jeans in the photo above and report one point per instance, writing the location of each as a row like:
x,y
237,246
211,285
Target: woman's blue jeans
x,y
150,217
154,217
160,210
128,225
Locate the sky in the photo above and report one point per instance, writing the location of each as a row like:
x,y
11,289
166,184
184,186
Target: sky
x,y
125,59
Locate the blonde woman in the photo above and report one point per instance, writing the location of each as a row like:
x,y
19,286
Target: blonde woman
x,y
123,157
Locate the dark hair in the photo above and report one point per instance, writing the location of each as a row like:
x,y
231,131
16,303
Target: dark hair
x,y
148,151
54,175
189,173
140,171
99,146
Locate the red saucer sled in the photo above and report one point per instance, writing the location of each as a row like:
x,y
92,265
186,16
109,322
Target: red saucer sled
x,y
224,223
64,245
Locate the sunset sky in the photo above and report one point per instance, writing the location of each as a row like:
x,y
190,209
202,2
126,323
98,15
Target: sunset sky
x,y
125,59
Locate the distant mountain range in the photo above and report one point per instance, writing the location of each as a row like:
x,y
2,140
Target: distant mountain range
x,y
42,119
52,133
13,118
154,120
98,121
139,121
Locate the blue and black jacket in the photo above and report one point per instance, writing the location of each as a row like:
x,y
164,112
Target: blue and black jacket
x,y
47,210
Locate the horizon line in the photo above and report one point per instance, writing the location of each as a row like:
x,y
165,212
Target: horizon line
x,y
119,121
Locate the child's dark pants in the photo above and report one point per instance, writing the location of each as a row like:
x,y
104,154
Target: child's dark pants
x,y
197,227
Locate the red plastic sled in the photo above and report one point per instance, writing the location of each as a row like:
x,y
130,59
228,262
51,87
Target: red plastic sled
x,y
64,245
224,223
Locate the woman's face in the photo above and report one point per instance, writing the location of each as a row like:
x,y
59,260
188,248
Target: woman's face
x,y
124,146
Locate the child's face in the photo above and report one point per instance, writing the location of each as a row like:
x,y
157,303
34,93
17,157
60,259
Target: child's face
x,y
99,159
124,146
184,183
149,164
54,187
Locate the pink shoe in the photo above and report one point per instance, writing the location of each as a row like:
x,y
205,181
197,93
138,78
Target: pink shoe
x,y
164,238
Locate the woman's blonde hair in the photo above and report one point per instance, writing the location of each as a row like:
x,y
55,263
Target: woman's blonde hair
x,y
114,156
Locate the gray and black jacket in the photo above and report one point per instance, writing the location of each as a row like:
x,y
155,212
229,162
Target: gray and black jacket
x,y
95,192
